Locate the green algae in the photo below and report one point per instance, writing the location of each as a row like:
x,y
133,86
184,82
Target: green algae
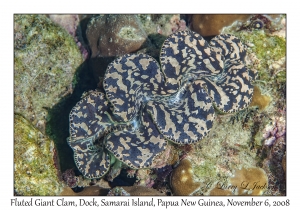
x,y
47,69
265,45
34,161
46,59
267,48
206,170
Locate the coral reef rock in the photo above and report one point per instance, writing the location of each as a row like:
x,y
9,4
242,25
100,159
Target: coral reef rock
x,y
168,157
114,35
273,165
34,161
134,191
69,178
70,22
45,60
269,49
163,25
267,53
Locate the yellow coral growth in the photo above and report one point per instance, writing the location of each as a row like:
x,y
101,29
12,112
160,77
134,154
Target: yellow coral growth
x,y
87,191
219,192
182,181
251,181
142,191
262,101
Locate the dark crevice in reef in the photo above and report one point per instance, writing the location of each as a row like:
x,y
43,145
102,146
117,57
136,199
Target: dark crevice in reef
x,y
122,180
57,126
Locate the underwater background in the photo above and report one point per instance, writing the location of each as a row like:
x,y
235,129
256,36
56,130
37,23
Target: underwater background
x,y
62,60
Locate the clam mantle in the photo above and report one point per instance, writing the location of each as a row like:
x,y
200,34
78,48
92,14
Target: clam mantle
x,y
144,105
